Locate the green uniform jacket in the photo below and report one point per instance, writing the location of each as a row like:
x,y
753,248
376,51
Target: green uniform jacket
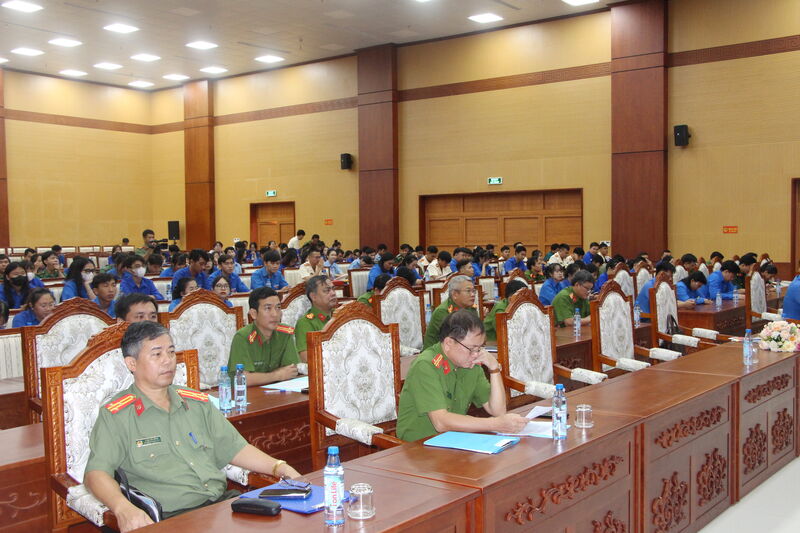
x,y
565,303
489,323
439,314
314,320
249,348
174,456
366,299
434,383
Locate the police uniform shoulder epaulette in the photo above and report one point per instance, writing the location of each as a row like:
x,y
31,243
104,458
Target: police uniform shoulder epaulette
x,y
252,337
283,328
192,394
120,403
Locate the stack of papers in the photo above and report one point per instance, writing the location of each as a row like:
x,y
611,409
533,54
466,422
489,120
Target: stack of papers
x,y
536,428
292,385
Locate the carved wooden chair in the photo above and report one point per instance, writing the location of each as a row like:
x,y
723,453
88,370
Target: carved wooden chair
x,y
526,349
664,311
55,342
354,385
399,304
613,333
11,365
295,304
358,278
755,299
513,273
643,273
488,285
204,323
292,275
242,300
623,277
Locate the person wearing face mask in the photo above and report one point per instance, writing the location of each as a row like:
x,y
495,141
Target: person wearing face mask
x,y
30,273
78,283
40,305
183,287
133,279
15,285
222,288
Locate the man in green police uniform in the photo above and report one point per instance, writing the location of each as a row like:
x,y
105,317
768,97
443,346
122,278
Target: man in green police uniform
x,y
265,347
574,297
444,379
368,297
170,441
489,323
319,289
462,296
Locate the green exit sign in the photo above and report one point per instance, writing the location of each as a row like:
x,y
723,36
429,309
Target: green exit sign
x,y
272,193
494,181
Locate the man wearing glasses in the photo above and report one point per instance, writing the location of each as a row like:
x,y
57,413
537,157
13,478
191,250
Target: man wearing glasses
x,y
447,377
461,296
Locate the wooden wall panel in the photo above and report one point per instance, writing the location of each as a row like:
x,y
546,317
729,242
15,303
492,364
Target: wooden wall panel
x,y
562,229
5,240
479,230
379,218
638,123
445,231
199,164
522,229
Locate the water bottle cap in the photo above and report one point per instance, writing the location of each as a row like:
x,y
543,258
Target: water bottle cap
x,y
333,450
577,310
224,368
560,386
747,332
239,366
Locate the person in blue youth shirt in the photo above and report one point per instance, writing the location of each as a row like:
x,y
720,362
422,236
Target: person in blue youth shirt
x,y
16,287
226,268
643,300
195,269
222,288
178,262
105,290
78,283
719,282
791,301
593,249
270,276
518,261
181,288
40,305
133,279
384,264
555,275
689,288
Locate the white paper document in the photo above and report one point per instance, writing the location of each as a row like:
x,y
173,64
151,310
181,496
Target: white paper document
x,y
292,385
538,411
535,428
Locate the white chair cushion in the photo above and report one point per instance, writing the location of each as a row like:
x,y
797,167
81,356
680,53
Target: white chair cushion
x,y
359,286
642,277
625,281
407,351
772,317
686,340
540,390
302,369
631,365
83,502
209,330
666,305
401,306
663,354
758,294
357,430
705,333
616,328
529,344
11,356
587,376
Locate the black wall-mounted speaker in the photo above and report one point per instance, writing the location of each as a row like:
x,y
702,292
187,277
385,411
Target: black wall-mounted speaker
x,y
682,135
174,230
346,161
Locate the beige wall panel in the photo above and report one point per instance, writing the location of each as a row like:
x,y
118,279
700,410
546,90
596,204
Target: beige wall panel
x,y
696,24
551,136
315,82
76,185
551,45
43,94
298,156
744,150
167,183
166,106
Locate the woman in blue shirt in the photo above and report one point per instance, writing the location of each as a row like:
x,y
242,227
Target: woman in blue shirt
x,y
289,260
384,264
78,283
15,285
222,288
555,275
183,287
689,288
252,254
40,306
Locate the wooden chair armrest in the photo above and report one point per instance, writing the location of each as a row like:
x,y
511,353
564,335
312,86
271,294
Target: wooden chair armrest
x,y
641,351
60,483
605,360
646,315
326,419
384,441
35,404
562,371
512,383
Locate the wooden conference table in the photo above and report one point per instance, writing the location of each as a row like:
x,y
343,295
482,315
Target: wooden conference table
x,y
729,320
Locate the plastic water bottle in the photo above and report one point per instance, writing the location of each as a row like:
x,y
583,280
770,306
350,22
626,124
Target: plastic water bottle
x,y
747,348
334,488
576,323
240,389
735,297
637,316
224,390
718,302
778,288
496,291
427,313
560,413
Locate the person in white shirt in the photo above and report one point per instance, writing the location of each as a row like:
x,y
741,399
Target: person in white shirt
x,y
440,268
313,265
428,257
561,257
294,242
687,265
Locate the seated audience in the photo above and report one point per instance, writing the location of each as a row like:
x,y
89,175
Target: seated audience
x,y
289,259
716,260
270,275
464,268
551,286
38,264
334,270
136,307
178,480
30,273
518,261
461,296
15,286
149,244
500,306
719,282
222,288
589,256
428,257
226,268
265,347
643,299
447,377
104,287
577,255
407,274
178,262
409,261
569,272
440,268
313,265
689,288
319,289
459,254
39,305
561,256
211,266
575,297
133,279
155,265
505,254
52,268
196,268
230,251
384,264
377,289
791,301
252,253
180,289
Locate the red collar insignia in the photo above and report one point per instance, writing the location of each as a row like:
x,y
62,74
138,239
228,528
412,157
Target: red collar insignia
x,y
574,298
139,406
446,367
322,317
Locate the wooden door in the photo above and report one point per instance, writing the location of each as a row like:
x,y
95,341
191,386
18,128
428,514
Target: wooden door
x,y
271,222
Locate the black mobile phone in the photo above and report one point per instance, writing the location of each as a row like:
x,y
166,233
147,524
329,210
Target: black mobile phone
x,y
304,391
288,493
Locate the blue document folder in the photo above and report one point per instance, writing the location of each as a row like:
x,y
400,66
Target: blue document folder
x,y
473,442
309,505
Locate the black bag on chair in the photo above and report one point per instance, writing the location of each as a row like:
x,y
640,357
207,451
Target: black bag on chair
x,y
672,329
138,498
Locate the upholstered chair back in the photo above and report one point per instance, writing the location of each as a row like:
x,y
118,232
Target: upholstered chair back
x,y
399,304
11,353
758,293
666,304
295,305
616,325
624,279
358,281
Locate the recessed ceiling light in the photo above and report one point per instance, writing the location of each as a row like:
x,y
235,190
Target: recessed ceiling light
x,y
19,5
73,73
107,66
214,70
484,18
146,57
121,28
3,60
580,2
141,84
63,41
27,51
201,45
176,77
270,59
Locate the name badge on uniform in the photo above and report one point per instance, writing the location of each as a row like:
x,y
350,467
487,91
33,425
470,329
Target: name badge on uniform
x,y
148,441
